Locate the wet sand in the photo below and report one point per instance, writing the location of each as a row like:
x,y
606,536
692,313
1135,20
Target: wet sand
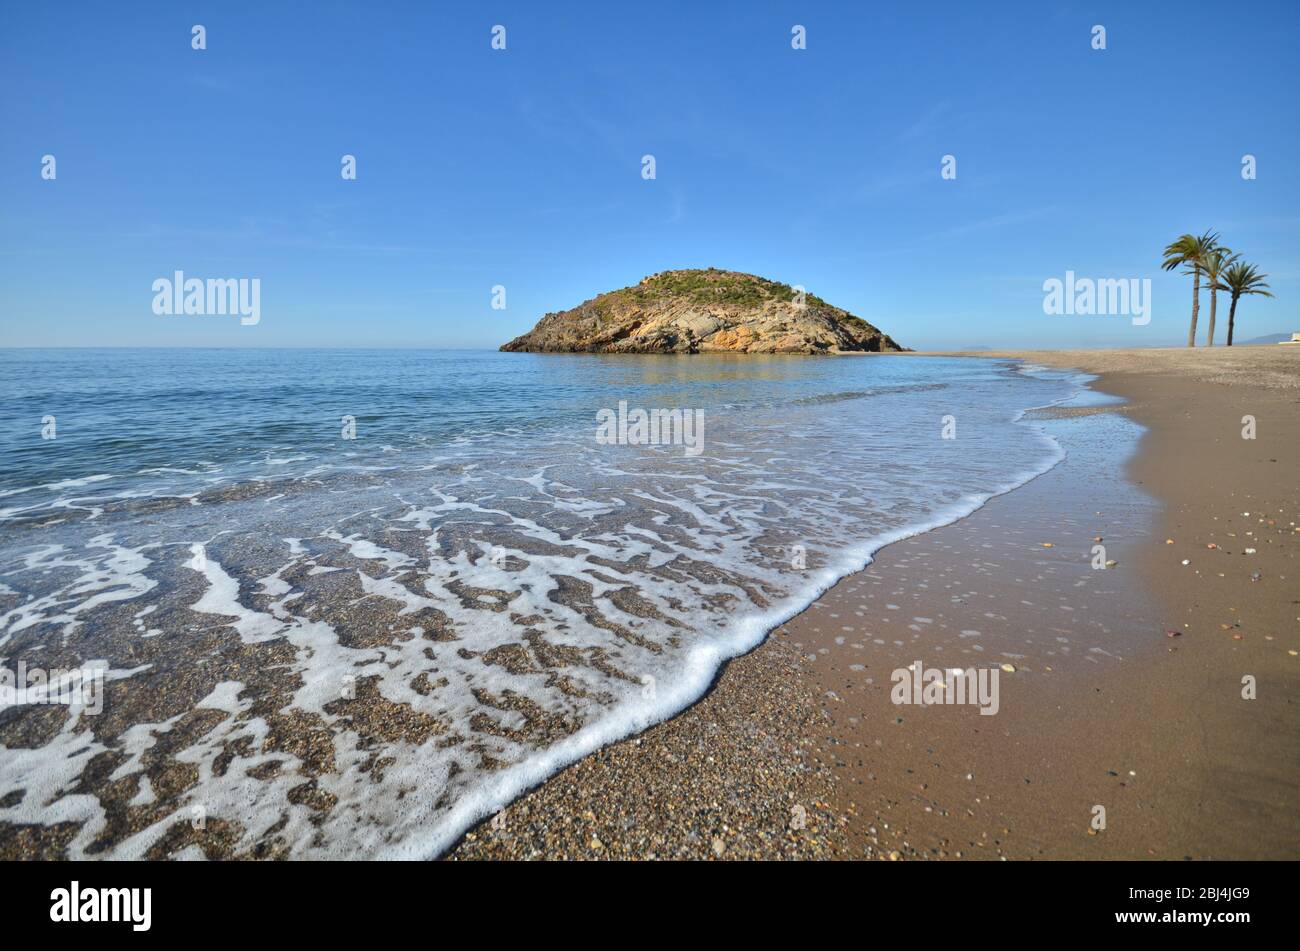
x,y
1127,688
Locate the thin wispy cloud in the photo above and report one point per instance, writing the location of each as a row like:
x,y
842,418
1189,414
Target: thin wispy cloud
x,y
990,223
892,184
926,124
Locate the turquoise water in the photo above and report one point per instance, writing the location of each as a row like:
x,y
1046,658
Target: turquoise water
x,y
359,646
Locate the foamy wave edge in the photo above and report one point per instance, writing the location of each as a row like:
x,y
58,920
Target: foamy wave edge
x,y
703,663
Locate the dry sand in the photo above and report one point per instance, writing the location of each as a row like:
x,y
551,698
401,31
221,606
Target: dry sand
x,y
799,751
1274,366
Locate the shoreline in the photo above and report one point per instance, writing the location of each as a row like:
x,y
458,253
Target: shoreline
x,y
690,788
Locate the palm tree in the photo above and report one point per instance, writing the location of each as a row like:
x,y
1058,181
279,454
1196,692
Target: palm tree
x,y
1191,251
1241,278
1217,261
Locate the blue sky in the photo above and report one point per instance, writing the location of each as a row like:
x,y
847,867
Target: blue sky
x,y
522,167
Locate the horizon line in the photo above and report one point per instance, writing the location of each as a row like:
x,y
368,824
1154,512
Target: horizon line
x,y
941,349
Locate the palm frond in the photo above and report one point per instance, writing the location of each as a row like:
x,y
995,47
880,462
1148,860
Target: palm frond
x,y
1242,278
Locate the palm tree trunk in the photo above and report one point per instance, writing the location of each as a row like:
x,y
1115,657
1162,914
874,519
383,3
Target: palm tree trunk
x,y
1196,306
1214,305
1232,317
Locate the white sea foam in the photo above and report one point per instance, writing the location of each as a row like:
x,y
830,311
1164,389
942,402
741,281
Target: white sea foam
x,y
487,591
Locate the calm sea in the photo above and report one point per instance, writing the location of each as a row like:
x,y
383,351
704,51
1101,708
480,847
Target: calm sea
x,y
346,603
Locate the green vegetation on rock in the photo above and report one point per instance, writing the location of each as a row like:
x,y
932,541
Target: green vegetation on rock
x,y
704,310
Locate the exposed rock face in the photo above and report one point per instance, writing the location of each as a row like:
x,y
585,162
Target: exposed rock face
x,y
703,311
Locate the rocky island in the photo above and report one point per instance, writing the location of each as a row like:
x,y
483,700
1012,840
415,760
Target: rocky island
x,y
704,311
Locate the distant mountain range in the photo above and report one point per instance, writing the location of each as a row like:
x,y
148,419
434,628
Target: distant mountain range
x,y
1267,338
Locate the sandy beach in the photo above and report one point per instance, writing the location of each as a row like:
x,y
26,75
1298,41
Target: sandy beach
x,y
1122,688
595,440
